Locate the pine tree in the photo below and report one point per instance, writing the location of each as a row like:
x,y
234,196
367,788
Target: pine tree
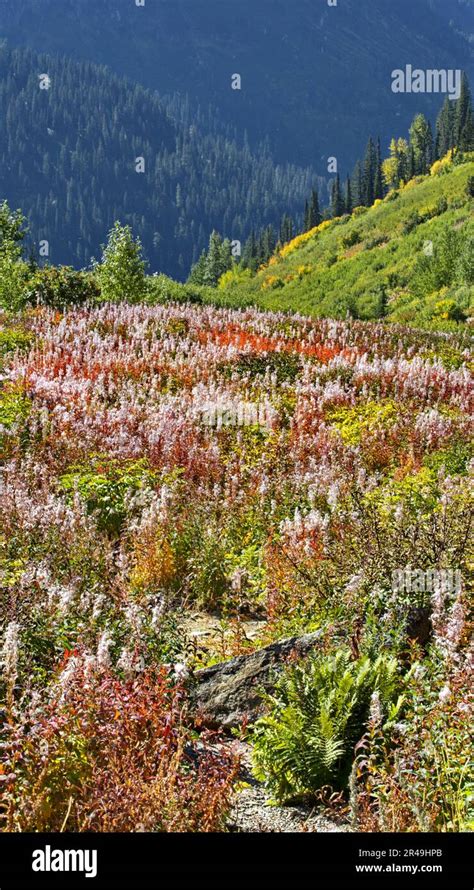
x,y
286,229
348,196
268,243
306,217
214,267
357,185
463,118
248,259
445,138
378,182
313,214
337,201
381,301
225,256
369,171
421,143
196,276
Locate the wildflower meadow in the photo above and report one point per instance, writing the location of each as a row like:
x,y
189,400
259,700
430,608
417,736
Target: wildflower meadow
x,y
161,461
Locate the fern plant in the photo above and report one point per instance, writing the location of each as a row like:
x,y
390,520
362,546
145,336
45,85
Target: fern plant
x,y
316,716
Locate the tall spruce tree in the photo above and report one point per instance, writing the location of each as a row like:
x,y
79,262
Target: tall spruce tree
x,y
463,118
249,253
357,185
268,243
369,171
313,214
421,143
378,181
348,196
445,128
286,229
337,201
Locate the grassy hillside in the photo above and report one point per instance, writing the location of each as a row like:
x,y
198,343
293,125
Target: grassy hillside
x,y
374,262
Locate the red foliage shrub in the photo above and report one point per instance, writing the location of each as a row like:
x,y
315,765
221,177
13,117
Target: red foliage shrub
x,y
109,755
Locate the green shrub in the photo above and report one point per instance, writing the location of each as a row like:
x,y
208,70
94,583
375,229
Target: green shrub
x,y
317,715
161,289
411,222
59,287
106,489
351,238
285,365
14,339
13,275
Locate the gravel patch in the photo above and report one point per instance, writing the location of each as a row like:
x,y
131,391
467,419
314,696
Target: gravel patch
x,y
252,810
252,813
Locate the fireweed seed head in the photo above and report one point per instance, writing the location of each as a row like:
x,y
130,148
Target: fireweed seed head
x,y
10,652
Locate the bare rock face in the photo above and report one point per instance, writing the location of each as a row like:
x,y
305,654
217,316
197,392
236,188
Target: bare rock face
x,y
226,694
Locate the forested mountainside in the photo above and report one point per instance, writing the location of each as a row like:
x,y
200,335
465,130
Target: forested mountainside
x,y
315,79
68,159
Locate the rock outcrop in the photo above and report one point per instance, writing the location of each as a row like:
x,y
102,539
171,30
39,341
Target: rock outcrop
x,y
229,693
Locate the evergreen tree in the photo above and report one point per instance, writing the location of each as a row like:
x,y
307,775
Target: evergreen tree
x,y
198,271
369,173
216,261
249,253
313,214
378,181
358,185
421,144
409,164
286,229
213,262
445,128
463,118
306,224
348,196
268,243
381,301
337,201
226,256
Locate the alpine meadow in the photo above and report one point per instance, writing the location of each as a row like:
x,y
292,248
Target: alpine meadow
x,y
236,439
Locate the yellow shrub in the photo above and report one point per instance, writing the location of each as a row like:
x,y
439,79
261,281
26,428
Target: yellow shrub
x,y
443,164
272,281
304,237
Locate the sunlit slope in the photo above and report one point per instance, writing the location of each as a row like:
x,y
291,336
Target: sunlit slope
x,y
377,261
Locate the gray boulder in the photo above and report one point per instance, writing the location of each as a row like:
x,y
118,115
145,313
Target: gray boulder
x,y
226,694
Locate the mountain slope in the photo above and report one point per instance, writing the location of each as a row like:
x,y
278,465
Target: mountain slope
x,y
315,79
409,256
68,159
